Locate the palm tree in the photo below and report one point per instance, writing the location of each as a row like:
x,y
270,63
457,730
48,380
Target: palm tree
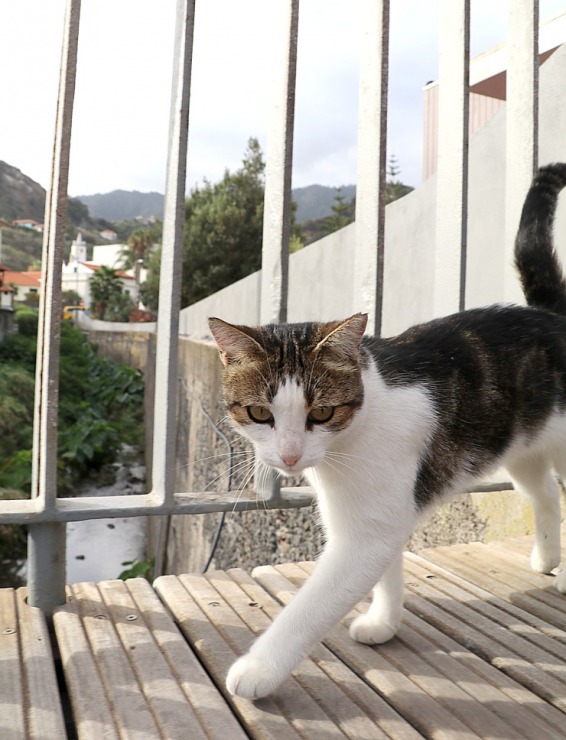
x,y
104,285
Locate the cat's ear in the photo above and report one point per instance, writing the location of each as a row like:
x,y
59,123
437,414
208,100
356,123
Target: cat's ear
x,y
234,342
344,336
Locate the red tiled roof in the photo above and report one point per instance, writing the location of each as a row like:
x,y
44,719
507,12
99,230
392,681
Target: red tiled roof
x,y
31,279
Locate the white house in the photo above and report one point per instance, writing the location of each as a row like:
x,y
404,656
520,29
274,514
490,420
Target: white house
x,y
78,271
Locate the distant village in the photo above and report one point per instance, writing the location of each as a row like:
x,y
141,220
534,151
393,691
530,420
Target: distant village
x,y
76,274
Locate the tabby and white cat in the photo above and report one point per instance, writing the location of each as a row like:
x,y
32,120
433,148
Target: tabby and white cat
x,y
384,428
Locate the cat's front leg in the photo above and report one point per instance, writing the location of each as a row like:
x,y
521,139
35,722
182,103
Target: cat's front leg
x,y
382,620
342,577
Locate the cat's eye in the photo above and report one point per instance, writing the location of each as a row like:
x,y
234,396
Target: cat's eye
x,y
321,414
260,414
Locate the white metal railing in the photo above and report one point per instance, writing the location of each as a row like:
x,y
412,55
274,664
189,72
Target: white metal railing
x,y
45,513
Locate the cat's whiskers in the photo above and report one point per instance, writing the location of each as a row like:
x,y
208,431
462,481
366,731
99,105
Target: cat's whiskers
x,y
212,457
246,478
233,471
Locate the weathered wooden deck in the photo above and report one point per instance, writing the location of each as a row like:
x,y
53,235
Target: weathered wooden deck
x,y
481,653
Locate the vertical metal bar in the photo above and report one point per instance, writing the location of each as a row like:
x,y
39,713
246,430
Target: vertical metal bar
x,y
452,182
163,461
521,126
278,171
372,149
46,556
278,199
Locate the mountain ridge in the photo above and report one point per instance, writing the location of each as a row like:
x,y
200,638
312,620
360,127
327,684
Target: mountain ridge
x,y
124,205
313,201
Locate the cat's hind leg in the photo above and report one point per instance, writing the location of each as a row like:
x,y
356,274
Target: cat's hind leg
x,y
560,465
534,477
383,618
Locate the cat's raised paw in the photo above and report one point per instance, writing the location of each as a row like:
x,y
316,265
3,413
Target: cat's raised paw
x,y
371,631
545,561
252,677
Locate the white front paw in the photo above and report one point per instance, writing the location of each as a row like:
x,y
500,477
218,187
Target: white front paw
x,y
253,677
561,581
372,631
544,562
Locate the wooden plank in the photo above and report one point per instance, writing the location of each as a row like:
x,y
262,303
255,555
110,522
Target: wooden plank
x,y
92,711
159,687
130,672
340,710
490,569
12,722
446,680
513,702
471,572
215,640
518,620
301,710
30,705
132,716
380,671
44,715
532,666
207,703
383,717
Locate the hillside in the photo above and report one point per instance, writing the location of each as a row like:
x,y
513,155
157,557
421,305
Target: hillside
x,y
124,205
313,201
316,201
21,197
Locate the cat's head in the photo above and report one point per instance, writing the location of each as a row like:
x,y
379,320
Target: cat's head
x,y
292,389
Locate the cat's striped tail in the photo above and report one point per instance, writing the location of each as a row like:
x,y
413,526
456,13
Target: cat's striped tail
x,y
539,269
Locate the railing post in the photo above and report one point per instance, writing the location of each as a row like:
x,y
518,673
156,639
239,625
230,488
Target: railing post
x,y
46,550
278,171
278,198
372,146
452,177
521,127
164,437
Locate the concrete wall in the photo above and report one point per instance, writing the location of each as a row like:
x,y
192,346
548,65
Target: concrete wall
x,y
131,348
321,274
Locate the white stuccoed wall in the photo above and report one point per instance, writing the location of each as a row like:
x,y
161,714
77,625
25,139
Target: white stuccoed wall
x,y
321,275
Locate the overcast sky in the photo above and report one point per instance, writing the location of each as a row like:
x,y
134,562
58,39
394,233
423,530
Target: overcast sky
x,y
124,80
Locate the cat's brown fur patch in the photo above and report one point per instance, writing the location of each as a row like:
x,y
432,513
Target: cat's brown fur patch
x,y
323,359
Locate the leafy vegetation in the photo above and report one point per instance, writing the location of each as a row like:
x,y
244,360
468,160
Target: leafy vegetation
x,y
22,197
138,569
100,407
223,232
109,301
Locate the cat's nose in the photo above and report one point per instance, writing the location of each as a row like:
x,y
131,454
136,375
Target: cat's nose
x,y
290,459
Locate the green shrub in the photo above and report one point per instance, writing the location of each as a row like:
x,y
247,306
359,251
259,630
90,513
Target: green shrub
x,y
28,321
15,472
100,408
